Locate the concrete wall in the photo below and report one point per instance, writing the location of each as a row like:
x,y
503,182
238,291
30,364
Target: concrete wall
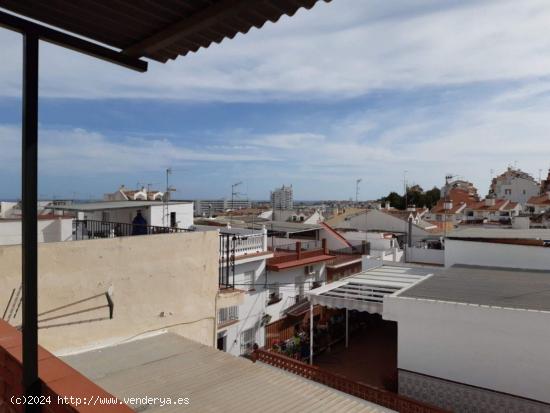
x,y
500,349
496,255
49,230
425,256
166,281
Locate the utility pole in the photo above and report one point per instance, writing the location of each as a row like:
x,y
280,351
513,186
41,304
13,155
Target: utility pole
x,y
357,182
234,193
446,203
166,198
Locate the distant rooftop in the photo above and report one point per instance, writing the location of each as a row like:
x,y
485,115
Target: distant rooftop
x,y
511,288
279,226
99,206
169,365
509,233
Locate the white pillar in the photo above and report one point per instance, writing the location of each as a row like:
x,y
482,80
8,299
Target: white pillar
x,y
347,327
310,333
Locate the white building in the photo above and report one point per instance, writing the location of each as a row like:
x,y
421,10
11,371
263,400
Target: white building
x,y
383,221
492,210
142,194
475,339
282,198
303,215
241,311
538,204
514,185
156,213
50,229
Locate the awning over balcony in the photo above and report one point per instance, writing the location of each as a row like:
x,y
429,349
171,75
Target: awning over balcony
x,y
365,291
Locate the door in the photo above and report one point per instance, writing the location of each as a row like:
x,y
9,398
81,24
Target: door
x,y
221,342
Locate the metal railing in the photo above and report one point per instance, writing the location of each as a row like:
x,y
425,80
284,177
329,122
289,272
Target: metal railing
x,y
364,391
308,245
92,229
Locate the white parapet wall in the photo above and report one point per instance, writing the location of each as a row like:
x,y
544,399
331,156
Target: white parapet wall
x,y
425,256
489,254
500,349
49,230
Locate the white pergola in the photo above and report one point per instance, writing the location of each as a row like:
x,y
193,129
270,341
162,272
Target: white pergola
x,y
364,291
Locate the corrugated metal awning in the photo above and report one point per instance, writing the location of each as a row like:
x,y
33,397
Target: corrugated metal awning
x,y
158,30
365,291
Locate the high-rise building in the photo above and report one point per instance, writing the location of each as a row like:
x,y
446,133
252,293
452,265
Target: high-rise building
x,y
281,198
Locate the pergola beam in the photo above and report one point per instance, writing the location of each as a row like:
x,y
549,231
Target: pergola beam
x,y
23,26
187,26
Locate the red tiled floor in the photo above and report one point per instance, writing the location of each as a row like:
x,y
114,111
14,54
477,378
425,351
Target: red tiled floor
x,y
371,357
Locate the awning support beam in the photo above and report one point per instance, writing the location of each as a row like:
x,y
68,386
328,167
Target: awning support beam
x,y
29,190
311,333
23,26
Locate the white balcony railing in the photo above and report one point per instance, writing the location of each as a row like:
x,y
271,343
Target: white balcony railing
x,y
245,244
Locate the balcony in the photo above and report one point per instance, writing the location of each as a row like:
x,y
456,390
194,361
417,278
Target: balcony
x,y
345,256
295,306
92,229
287,258
243,244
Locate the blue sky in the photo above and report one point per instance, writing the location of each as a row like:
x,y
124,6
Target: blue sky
x,y
350,89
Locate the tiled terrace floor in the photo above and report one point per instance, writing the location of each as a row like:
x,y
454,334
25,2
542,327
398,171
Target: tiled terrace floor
x,y
371,357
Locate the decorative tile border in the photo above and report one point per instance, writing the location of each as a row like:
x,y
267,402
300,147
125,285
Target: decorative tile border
x,y
462,398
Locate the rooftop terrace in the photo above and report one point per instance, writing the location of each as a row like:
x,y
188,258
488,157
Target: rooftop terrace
x,y
511,288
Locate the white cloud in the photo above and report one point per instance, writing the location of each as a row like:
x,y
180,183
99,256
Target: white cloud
x,y
75,152
340,49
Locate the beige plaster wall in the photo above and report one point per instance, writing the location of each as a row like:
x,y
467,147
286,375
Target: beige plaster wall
x,y
158,282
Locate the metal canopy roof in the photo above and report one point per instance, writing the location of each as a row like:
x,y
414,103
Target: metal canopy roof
x,y
158,30
366,290
169,365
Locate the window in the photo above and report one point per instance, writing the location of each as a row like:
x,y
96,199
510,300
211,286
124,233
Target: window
x,y
508,192
248,337
274,294
248,283
105,216
225,315
173,222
